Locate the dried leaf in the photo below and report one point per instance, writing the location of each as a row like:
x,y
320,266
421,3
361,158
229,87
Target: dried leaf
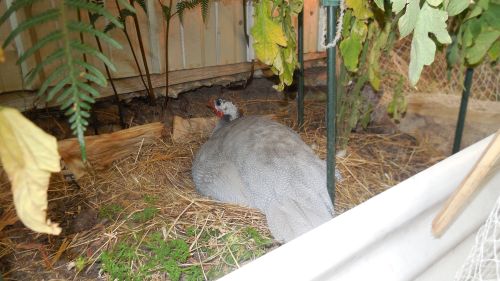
x,y
268,35
2,56
29,156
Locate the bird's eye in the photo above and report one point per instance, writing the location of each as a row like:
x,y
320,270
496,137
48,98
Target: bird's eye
x,y
218,102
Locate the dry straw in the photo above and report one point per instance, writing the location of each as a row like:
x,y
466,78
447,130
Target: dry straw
x,y
158,177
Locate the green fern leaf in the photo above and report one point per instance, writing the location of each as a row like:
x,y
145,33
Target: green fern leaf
x,y
58,87
16,5
48,15
88,89
122,16
87,28
185,5
166,12
65,95
86,98
56,55
55,74
77,45
142,3
95,9
51,37
204,9
127,5
92,69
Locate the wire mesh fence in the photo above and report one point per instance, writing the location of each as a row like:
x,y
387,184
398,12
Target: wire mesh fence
x,y
437,78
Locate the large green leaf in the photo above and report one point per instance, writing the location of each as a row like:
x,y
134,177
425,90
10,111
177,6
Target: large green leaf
x,y
360,8
423,48
434,3
482,44
494,51
350,48
407,22
455,7
398,5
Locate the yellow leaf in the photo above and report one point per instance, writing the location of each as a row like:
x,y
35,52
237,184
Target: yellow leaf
x,y
29,156
2,56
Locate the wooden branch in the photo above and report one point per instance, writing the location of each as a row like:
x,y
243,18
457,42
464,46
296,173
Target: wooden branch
x,y
469,186
103,149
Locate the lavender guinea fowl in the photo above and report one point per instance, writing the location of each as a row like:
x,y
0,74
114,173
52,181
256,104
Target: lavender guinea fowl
x,y
259,163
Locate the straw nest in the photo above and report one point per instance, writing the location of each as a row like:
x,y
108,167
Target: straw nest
x,y
149,197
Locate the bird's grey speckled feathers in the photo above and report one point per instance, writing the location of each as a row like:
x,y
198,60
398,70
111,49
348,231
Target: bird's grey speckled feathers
x,y
256,162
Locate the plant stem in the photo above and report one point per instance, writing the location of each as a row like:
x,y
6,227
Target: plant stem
x,y
125,31
167,31
79,130
152,98
95,122
108,73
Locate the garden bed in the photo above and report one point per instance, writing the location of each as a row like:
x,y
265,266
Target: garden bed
x,y
141,217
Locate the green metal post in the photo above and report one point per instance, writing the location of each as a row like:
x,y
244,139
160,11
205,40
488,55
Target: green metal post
x,y
300,94
331,10
463,110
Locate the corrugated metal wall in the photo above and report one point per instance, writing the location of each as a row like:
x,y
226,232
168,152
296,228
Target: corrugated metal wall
x,y
194,44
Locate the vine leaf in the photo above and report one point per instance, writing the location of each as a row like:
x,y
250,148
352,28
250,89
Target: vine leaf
x,y
360,9
455,7
268,35
407,22
494,51
482,44
29,156
350,48
423,48
434,3
397,5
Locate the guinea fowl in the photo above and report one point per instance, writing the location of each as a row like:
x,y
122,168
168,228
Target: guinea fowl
x,y
259,163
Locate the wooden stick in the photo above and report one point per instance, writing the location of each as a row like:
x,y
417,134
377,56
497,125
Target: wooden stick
x,y
471,184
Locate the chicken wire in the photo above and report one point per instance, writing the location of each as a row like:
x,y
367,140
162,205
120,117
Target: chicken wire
x,y
483,263
436,78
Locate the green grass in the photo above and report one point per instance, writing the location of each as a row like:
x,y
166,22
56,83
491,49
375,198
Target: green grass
x,y
110,211
130,261
145,215
138,257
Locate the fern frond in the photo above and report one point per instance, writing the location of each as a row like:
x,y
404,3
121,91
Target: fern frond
x,y
87,28
142,3
166,11
53,76
54,90
92,69
86,49
185,5
191,4
204,9
56,55
127,5
122,16
16,5
48,15
51,37
95,9
73,77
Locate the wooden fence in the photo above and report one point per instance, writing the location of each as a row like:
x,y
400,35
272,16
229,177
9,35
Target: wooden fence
x,y
197,50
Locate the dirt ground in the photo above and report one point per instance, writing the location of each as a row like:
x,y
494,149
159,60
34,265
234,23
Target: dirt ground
x,y
24,255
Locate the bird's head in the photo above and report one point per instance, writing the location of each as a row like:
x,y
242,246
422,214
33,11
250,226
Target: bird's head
x,y
224,109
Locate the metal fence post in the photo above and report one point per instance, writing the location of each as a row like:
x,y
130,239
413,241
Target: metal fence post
x,y
331,9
